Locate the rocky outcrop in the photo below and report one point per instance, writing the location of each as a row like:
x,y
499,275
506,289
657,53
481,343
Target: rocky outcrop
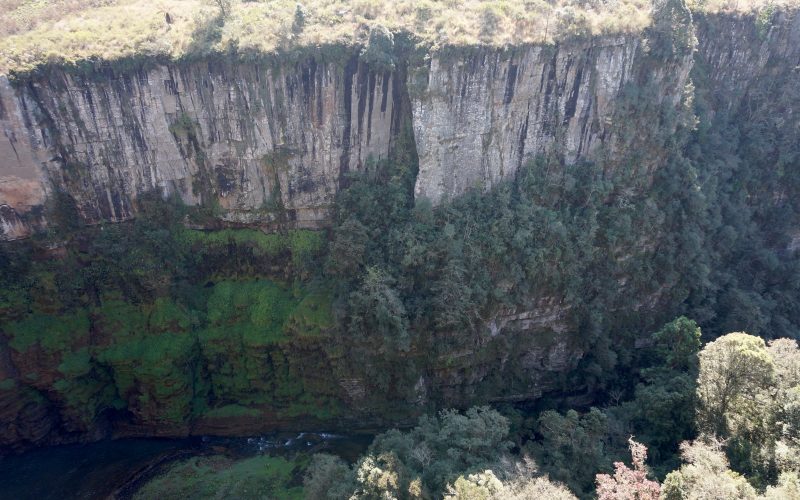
x,y
22,187
739,56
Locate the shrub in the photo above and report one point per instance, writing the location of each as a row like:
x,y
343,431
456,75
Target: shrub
x,y
379,51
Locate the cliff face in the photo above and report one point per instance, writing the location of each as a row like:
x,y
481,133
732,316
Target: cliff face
x,y
259,139
479,119
743,60
253,137
247,137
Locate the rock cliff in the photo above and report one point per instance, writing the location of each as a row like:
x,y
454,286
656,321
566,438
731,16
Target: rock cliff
x,y
480,118
251,139
258,139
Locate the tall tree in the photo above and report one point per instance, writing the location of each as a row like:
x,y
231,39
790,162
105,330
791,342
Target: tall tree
x,y
627,483
736,372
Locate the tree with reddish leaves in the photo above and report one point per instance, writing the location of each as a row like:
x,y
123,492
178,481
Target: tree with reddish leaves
x,y
627,483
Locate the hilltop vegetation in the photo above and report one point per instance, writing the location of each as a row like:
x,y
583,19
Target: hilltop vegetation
x,y
65,32
110,30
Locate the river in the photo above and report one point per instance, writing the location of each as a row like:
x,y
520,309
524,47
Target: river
x,y
99,470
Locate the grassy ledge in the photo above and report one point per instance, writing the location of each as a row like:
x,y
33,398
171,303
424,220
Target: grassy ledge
x,y
40,33
68,32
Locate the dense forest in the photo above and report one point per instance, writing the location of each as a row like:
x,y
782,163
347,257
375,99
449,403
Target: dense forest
x,y
720,417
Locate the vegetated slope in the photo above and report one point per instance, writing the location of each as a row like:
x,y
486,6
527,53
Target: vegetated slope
x,y
726,411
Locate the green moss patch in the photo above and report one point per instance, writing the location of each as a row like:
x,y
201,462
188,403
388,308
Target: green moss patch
x,y
262,312
313,314
221,477
230,411
156,320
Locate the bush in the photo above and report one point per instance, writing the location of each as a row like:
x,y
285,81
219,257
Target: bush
x,y
299,22
379,51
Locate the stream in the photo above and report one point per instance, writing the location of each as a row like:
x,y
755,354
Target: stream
x,y
99,470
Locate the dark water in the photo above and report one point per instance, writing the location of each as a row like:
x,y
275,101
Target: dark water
x,y
97,470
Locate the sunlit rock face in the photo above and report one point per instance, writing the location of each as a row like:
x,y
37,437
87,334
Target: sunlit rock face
x,y
247,137
257,139
478,119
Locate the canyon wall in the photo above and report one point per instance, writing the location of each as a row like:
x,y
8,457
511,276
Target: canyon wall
x,y
248,138
255,139
252,137
479,119
262,144
746,61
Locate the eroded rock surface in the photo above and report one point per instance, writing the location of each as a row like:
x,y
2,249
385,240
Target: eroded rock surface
x,y
253,139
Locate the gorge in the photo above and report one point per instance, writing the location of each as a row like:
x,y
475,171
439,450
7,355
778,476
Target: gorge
x,y
347,237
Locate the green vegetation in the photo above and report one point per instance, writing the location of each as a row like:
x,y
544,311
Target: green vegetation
x,y
312,316
486,486
751,453
301,243
256,312
742,7
183,125
135,317
52,332
451,448
412,276
232,411
744,391
221,477
245,352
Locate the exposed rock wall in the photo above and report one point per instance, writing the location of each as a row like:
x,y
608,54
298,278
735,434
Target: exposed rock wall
x,y
740,57
480,118
255,138
246,137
